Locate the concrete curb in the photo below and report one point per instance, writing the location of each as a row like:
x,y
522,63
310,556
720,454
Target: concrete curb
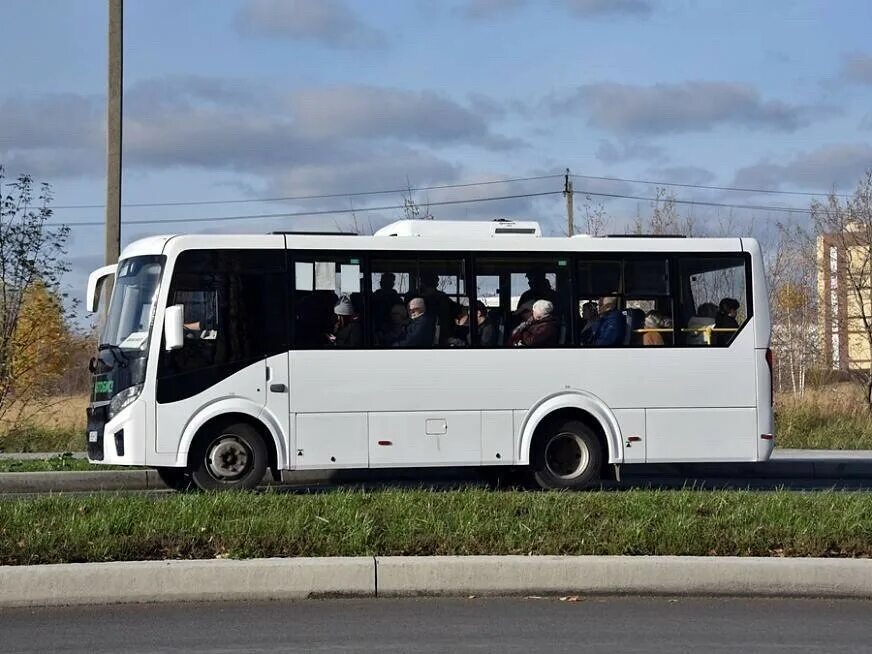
x,y
266,579
179,581
643,575
51,482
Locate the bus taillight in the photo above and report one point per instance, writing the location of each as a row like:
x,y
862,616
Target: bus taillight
x,y
770,361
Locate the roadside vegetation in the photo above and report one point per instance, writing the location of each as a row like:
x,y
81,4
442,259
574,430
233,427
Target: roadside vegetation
x,y
60,529
828,418
60,463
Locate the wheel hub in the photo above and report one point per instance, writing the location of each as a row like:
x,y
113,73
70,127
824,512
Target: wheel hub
x,y
227,458
566,456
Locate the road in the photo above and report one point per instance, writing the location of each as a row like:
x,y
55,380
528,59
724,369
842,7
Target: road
x,y
448,625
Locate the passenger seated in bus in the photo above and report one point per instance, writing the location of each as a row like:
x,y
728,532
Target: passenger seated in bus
x,y
698,332
487,330
635,318
348,331
609,329
439,305
460,330
541,330
540,288
315,318
385,298
589,316
726,319
391,331
420,330
653,321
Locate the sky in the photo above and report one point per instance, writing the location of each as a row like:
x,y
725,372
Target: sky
x,y
236,102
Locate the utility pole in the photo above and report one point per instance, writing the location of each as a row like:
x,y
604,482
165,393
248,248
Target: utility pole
x,y
570,213
113,133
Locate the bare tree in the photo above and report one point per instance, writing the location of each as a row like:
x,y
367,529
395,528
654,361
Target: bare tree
x,y
596,220
665,217
845,228
413,210
792,273
33,311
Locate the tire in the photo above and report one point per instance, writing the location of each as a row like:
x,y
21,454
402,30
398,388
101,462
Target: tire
x,y
177,479
566,455
232,457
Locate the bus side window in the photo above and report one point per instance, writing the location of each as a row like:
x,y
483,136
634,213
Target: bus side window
x,y
714,299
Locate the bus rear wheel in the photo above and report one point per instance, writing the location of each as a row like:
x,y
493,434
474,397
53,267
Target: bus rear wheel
x,y
232,457
567,455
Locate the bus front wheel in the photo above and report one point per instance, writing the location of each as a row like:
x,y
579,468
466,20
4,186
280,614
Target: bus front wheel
x,y
566,455
177,479
232,457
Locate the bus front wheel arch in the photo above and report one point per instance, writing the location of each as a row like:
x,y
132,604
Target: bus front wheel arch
x,y
230,453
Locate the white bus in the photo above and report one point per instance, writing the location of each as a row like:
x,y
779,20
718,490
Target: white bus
x,y
225,356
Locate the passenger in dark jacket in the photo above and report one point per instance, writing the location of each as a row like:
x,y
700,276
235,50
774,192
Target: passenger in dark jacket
x,y
421,329
541,330
726,319
349,331
611,326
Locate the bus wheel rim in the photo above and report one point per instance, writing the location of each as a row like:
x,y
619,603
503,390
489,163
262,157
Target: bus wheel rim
x,y
228,458
566,456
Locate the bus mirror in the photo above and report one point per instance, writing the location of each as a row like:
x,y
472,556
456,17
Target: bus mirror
x,y
96,282
174,334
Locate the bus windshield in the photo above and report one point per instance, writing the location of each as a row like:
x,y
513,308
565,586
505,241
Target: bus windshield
x,y
131,311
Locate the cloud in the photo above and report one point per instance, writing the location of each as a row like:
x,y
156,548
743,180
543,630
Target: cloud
x,y
595,8
838,165
362,111
328,22
866,121
857,68
238,126
487,8
481,9
610,153
674,108
683,174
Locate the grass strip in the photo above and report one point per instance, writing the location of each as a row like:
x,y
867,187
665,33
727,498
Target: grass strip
x,y
54,464
59,529
39,438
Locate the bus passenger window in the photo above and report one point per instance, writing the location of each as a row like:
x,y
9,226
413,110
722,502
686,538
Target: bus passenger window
x,y
508,288
419,303
714,300
328,303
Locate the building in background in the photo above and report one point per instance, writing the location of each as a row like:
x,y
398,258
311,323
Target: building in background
x,y
845,299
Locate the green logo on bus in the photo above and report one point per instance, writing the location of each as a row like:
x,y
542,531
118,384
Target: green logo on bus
x,y
101,387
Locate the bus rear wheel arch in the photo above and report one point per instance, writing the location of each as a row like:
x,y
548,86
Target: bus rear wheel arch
x,y
567,452
229,454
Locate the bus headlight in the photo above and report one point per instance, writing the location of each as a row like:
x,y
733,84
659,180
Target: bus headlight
x,y
124,399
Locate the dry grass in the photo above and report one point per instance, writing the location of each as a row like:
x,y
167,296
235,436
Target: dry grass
x,y
58,426
832,417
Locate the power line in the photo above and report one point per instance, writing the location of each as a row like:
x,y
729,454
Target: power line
x,y
324,196
702,203
702,186
300,214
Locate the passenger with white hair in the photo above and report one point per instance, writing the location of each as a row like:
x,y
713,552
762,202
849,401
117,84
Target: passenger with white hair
x,y
421,328
540,330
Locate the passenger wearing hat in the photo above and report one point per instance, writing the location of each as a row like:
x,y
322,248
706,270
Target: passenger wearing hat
x,y
348,331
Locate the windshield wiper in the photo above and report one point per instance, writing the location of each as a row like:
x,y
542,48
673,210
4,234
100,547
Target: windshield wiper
x,y
117,353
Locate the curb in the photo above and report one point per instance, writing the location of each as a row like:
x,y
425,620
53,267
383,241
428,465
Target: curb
x,y
184,581
273,579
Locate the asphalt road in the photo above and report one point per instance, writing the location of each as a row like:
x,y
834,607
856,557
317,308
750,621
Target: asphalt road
x,y
661,625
